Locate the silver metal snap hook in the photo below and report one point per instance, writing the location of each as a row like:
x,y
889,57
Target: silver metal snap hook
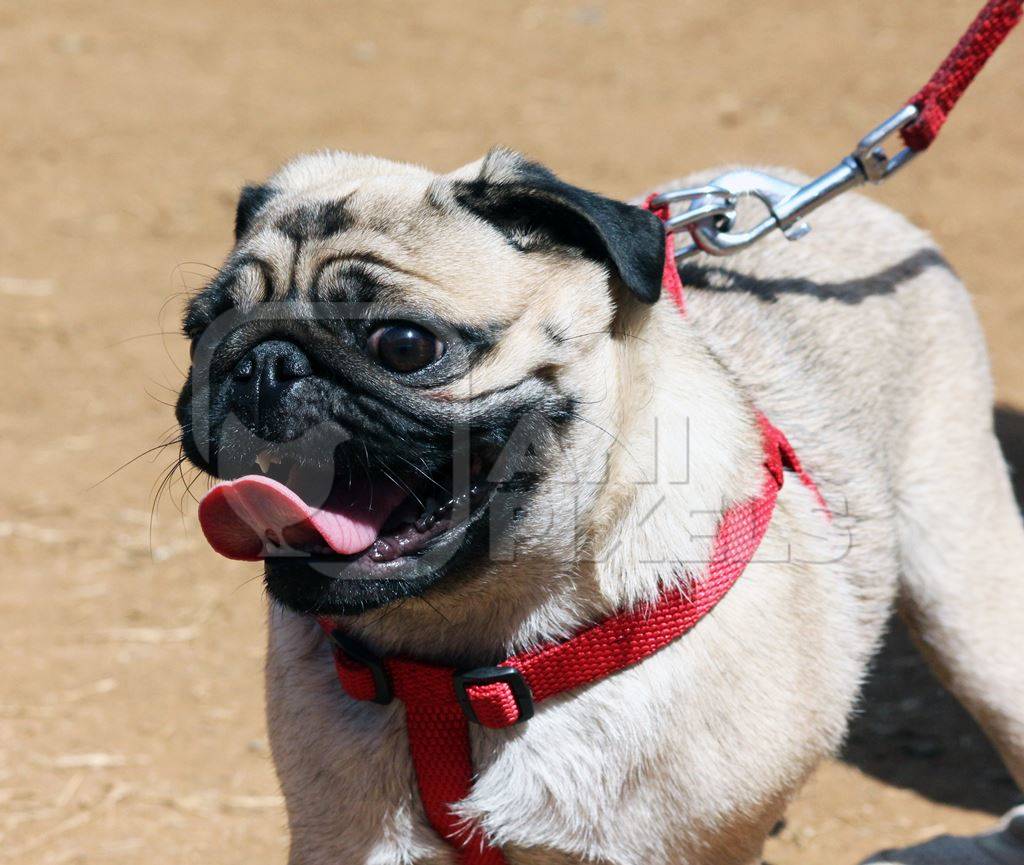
x,y
710,218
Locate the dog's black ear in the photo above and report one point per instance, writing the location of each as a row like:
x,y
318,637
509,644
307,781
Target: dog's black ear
x,y
533,207
250,202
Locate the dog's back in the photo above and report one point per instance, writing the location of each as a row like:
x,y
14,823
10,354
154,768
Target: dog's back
x,y
862,343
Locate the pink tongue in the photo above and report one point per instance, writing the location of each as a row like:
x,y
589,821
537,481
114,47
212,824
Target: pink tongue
x,y
255,516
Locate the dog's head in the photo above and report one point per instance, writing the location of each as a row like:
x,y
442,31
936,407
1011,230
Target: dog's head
x,y
397,372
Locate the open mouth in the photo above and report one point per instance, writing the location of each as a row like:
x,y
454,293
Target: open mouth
x,y
284,510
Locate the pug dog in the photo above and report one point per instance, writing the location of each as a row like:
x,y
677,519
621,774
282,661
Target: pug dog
x,y
456,416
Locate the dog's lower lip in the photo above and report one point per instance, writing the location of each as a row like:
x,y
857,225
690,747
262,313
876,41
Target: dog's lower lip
x,y
433,523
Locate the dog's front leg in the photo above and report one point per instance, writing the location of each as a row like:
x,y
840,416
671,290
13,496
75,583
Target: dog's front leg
x,y
343,765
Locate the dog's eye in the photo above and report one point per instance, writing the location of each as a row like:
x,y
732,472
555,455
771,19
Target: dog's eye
x,y
405,347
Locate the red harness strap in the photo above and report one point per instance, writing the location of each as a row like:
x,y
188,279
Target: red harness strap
x,y
440,702
670,280
936,99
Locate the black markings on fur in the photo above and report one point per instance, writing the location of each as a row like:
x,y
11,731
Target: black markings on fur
x,y
436,200
311,222
217,297
314,221
250,203
353,280
538,212
214,300
852,291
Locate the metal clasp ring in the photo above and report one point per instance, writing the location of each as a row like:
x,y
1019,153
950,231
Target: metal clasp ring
x,y
710,218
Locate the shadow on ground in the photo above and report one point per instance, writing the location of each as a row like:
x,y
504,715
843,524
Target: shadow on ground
x,y
910,732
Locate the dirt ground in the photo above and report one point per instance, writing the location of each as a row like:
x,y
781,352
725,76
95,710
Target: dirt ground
x,y
131,719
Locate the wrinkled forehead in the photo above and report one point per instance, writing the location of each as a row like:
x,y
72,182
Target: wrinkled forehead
x,y
395,240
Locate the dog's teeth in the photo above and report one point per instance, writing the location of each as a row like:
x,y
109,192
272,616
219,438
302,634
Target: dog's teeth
x,y
265,459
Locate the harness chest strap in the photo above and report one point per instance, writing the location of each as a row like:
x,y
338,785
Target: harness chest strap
x,y
440,702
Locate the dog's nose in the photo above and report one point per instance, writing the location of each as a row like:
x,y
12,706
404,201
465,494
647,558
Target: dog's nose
x,y
261,380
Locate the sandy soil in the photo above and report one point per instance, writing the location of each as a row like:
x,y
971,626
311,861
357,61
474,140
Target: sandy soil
x,y
131,723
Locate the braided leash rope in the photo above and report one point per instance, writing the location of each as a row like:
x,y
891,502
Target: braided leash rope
x,y
936,99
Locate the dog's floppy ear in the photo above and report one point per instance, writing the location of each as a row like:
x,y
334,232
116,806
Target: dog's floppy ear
x,y
250,202
530,204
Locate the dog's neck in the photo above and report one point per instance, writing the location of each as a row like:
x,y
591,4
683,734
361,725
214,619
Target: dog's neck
x,y
685,448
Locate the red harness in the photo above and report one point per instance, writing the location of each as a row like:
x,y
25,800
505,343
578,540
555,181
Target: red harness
x,y
441,702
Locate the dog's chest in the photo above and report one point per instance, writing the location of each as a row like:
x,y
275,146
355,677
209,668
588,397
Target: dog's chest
x,y
639,767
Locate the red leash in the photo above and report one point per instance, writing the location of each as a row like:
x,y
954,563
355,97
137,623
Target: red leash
x,y
936,99
441,702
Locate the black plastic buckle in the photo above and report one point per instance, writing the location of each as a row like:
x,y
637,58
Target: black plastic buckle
x,y
491,676
356,651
